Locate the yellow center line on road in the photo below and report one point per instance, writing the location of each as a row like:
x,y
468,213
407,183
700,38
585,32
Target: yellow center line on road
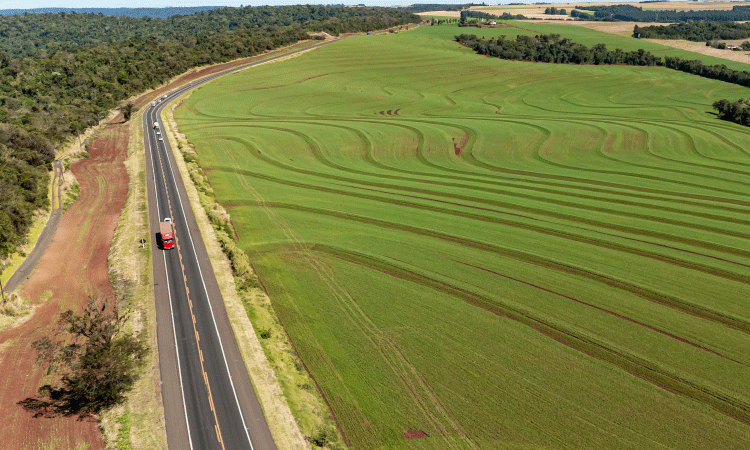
x,y
190,303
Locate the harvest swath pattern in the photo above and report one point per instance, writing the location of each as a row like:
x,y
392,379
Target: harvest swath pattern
x,y
499,254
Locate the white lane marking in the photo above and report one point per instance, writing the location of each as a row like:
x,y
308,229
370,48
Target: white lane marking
x,y
171,311
205,291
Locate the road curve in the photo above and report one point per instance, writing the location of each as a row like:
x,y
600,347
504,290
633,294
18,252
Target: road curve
x,y
209,400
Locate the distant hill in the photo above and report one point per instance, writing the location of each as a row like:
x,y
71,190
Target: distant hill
x,y
161,13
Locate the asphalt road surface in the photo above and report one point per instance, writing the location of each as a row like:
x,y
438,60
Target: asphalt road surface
x,y
209,378
209,400
29,264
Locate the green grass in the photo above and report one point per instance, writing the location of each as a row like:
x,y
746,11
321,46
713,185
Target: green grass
x,y
500,254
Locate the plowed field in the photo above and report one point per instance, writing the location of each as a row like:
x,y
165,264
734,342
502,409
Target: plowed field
x,y
73,268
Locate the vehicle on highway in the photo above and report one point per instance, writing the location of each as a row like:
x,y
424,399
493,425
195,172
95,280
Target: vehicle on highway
x,y
156,125
153,103
166,234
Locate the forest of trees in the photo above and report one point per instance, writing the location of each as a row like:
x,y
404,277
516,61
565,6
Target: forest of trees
x,y
54,94
28,34
551,48
168,11
630,13
694,31
717,72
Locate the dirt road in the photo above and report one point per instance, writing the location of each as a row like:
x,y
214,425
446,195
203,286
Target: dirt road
x,y
73,267
24,271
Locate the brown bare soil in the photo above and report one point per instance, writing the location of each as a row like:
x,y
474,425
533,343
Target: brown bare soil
x,y
73,268
414,434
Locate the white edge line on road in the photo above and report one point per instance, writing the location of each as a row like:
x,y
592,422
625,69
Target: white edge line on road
x,y
205,291
158,110
169,291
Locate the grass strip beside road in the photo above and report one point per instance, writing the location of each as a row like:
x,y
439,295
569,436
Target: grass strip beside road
x,y
269,368
132,278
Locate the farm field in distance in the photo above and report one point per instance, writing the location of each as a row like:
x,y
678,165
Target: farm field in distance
x,y
497,254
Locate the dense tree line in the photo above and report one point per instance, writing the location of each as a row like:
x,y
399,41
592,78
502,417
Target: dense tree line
x,y
551,48
127,12
630,13
40,34
717,72
554,49
555,11
694,31
737,112
47,98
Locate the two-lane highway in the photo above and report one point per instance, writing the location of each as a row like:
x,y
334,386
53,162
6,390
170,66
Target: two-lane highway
x,y
213,416
209,400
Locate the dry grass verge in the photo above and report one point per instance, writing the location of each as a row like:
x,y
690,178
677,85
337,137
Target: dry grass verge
x,y
281,388
139,424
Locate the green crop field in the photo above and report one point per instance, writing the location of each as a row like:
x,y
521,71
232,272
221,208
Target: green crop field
x,y
499,254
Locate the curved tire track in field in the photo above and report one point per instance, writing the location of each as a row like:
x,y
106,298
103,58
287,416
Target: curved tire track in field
x,y
526,211
606,311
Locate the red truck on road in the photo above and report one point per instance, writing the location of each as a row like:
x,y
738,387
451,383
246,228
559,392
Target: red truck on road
x,y
166,230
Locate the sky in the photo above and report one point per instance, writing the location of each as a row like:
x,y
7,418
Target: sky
x,y
33,4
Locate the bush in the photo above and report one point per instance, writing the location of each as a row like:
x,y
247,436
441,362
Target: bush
x,y
13,306
96,360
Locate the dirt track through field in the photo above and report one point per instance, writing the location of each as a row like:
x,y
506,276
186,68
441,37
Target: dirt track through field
x,y
73,268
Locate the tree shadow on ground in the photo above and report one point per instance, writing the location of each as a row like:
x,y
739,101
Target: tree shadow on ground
x,y
55,402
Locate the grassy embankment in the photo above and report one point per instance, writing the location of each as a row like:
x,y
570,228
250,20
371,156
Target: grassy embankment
x,y
139,423
499,254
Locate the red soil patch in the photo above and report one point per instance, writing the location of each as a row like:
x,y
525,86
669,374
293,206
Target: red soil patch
x,y
414,434
73,267
459,144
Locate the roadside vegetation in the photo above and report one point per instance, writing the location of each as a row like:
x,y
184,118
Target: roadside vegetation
x,y
291,382
137,423
92,359
494,259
